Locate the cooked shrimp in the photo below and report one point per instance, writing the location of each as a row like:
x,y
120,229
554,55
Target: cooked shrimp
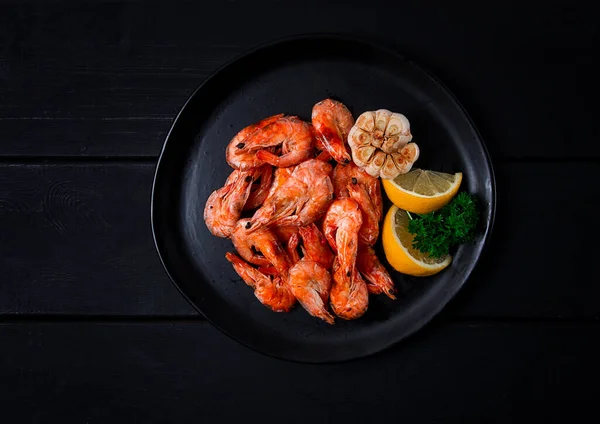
x,y
350,181
290,244
271,292
369,230
256,147
239,158
310,284
300,200
324,156
349,297
260,187
283,233
224,206
378,279
295,137
332,122
292,248
280,176
288,237
319,147
343,175
340,226
262,241
268,270
315,246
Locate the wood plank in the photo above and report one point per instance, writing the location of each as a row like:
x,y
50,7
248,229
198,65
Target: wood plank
x,y
84,137
529,91
76,239
169,372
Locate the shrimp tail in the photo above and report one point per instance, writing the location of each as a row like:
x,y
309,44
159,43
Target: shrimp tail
x,y
292,247
311,283
377,278
314,305
274,293
250,275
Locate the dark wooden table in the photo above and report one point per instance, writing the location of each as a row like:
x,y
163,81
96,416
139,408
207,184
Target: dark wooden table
x,y
93,331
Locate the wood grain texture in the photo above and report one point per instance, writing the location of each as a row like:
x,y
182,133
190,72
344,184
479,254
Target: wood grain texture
x,y
103,64
76,239
108,136
136,373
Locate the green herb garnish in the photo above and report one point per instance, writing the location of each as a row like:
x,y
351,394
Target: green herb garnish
x,y
438,231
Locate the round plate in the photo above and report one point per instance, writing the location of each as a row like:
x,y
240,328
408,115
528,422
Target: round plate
x,y
289,77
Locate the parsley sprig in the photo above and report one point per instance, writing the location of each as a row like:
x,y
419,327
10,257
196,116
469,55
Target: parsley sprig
x,y
438,231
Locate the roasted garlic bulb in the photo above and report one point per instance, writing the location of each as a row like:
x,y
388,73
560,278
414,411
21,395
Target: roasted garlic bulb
x,y
380,144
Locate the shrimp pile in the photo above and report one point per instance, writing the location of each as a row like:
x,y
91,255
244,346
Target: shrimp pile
x,y
302,217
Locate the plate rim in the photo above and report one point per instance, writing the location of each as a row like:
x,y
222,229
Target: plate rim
x,y
423,321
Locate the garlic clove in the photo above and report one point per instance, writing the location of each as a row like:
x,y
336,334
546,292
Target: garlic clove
x,y
411,152
389,169
374,166
406,157
397,133
402,165
382,117
366,121
362,155
359,137
398,125
392,144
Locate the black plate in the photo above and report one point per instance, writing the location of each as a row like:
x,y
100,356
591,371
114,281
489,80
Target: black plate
x,y
290,76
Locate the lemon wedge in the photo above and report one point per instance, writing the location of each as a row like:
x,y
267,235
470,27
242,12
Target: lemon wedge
x,y
422,191
397,245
